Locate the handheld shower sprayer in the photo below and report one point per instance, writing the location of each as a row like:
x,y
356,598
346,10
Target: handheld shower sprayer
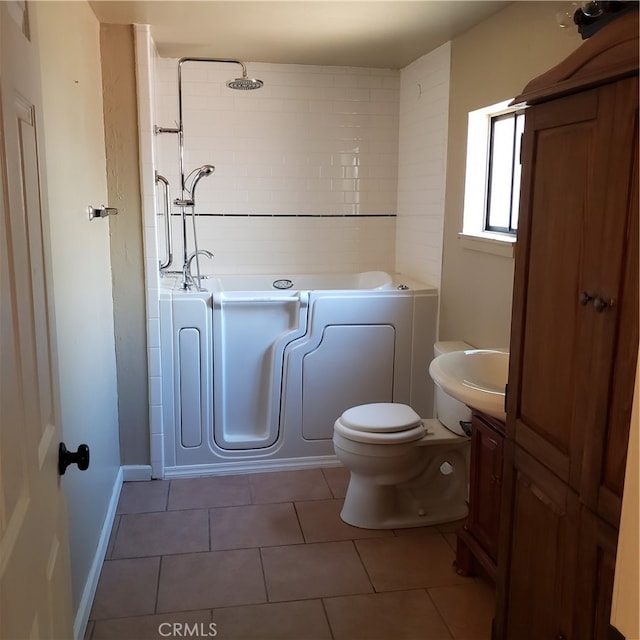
x,y
203,171
198,174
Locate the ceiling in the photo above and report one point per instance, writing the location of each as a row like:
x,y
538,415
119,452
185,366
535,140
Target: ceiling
x,y
360,33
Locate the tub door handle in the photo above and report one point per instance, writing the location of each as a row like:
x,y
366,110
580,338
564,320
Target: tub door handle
x,y
264,299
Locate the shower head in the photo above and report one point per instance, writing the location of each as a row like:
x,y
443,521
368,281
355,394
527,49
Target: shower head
x,y
201,172
244,83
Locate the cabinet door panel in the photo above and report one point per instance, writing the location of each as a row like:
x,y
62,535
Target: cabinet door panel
x,y
606,449
541,556
572,238
594,580
485,485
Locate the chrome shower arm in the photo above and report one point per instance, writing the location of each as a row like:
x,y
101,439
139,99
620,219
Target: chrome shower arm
x,y
180,120
225,60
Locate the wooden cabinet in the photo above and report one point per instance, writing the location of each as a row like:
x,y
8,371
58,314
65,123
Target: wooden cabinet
x,y
574,342
477,543
542,560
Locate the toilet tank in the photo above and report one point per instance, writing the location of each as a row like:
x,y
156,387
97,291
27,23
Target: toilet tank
x,y
449,410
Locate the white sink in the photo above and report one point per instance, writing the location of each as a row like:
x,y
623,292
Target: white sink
x,y
476,377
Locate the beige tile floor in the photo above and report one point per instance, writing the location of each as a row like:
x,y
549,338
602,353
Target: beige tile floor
x,y
266,557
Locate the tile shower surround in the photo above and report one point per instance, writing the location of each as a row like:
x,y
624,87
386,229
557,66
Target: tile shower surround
x,y
266,556
242,244
354,158
313,140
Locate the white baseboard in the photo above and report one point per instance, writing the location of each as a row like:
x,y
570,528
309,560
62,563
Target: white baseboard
x,y
136,472
89,591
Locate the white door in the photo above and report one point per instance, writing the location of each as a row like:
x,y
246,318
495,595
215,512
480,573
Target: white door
x,y
35,592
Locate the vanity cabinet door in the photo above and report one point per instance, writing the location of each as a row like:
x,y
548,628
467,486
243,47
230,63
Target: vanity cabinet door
x,y
485,484
536,592
477,540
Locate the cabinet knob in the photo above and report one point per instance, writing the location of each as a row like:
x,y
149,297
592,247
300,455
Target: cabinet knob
x,y
600,304
585,298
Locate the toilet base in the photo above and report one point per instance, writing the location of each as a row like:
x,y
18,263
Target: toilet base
x,y
368,505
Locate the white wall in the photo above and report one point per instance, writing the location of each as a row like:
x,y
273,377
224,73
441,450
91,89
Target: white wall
x,y
422,160
311,157
72,101
491,62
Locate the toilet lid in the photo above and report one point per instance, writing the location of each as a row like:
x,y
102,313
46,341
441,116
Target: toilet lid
x,y
381,417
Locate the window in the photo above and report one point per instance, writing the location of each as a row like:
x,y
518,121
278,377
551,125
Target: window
x,y
492,185
503,172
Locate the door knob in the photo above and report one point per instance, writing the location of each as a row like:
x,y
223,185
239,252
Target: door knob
x,y
585,298
66,457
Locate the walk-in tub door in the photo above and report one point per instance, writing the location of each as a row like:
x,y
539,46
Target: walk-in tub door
x,y
250,334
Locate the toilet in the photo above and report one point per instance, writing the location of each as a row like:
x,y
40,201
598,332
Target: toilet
x,y
405,471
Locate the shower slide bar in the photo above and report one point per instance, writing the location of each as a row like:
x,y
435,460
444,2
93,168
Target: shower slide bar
x,y
167,222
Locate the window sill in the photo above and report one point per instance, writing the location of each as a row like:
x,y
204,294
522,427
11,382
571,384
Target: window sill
x,y
497,246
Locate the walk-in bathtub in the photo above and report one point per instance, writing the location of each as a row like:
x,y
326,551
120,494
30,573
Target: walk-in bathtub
x,y
256,369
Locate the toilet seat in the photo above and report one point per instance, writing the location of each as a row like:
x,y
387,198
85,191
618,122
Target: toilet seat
x,y
394,437
381,423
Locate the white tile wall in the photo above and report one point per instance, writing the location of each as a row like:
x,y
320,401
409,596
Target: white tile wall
x,y
424,106
314,141
243,244
145,56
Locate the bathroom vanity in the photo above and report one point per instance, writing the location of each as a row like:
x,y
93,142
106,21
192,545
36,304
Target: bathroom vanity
x,y
477,540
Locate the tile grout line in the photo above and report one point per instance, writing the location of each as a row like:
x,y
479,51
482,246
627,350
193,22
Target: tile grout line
x,y
295,510
435,606
364,566
166,502
326,615
264,577
155,605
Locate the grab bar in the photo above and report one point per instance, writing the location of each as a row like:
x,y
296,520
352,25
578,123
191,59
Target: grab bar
x,y
167,222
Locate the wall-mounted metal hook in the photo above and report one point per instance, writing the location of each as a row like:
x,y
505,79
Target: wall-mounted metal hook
x,y
101,211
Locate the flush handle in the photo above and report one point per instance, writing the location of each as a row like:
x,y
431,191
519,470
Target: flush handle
x,y
66,457
466,427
